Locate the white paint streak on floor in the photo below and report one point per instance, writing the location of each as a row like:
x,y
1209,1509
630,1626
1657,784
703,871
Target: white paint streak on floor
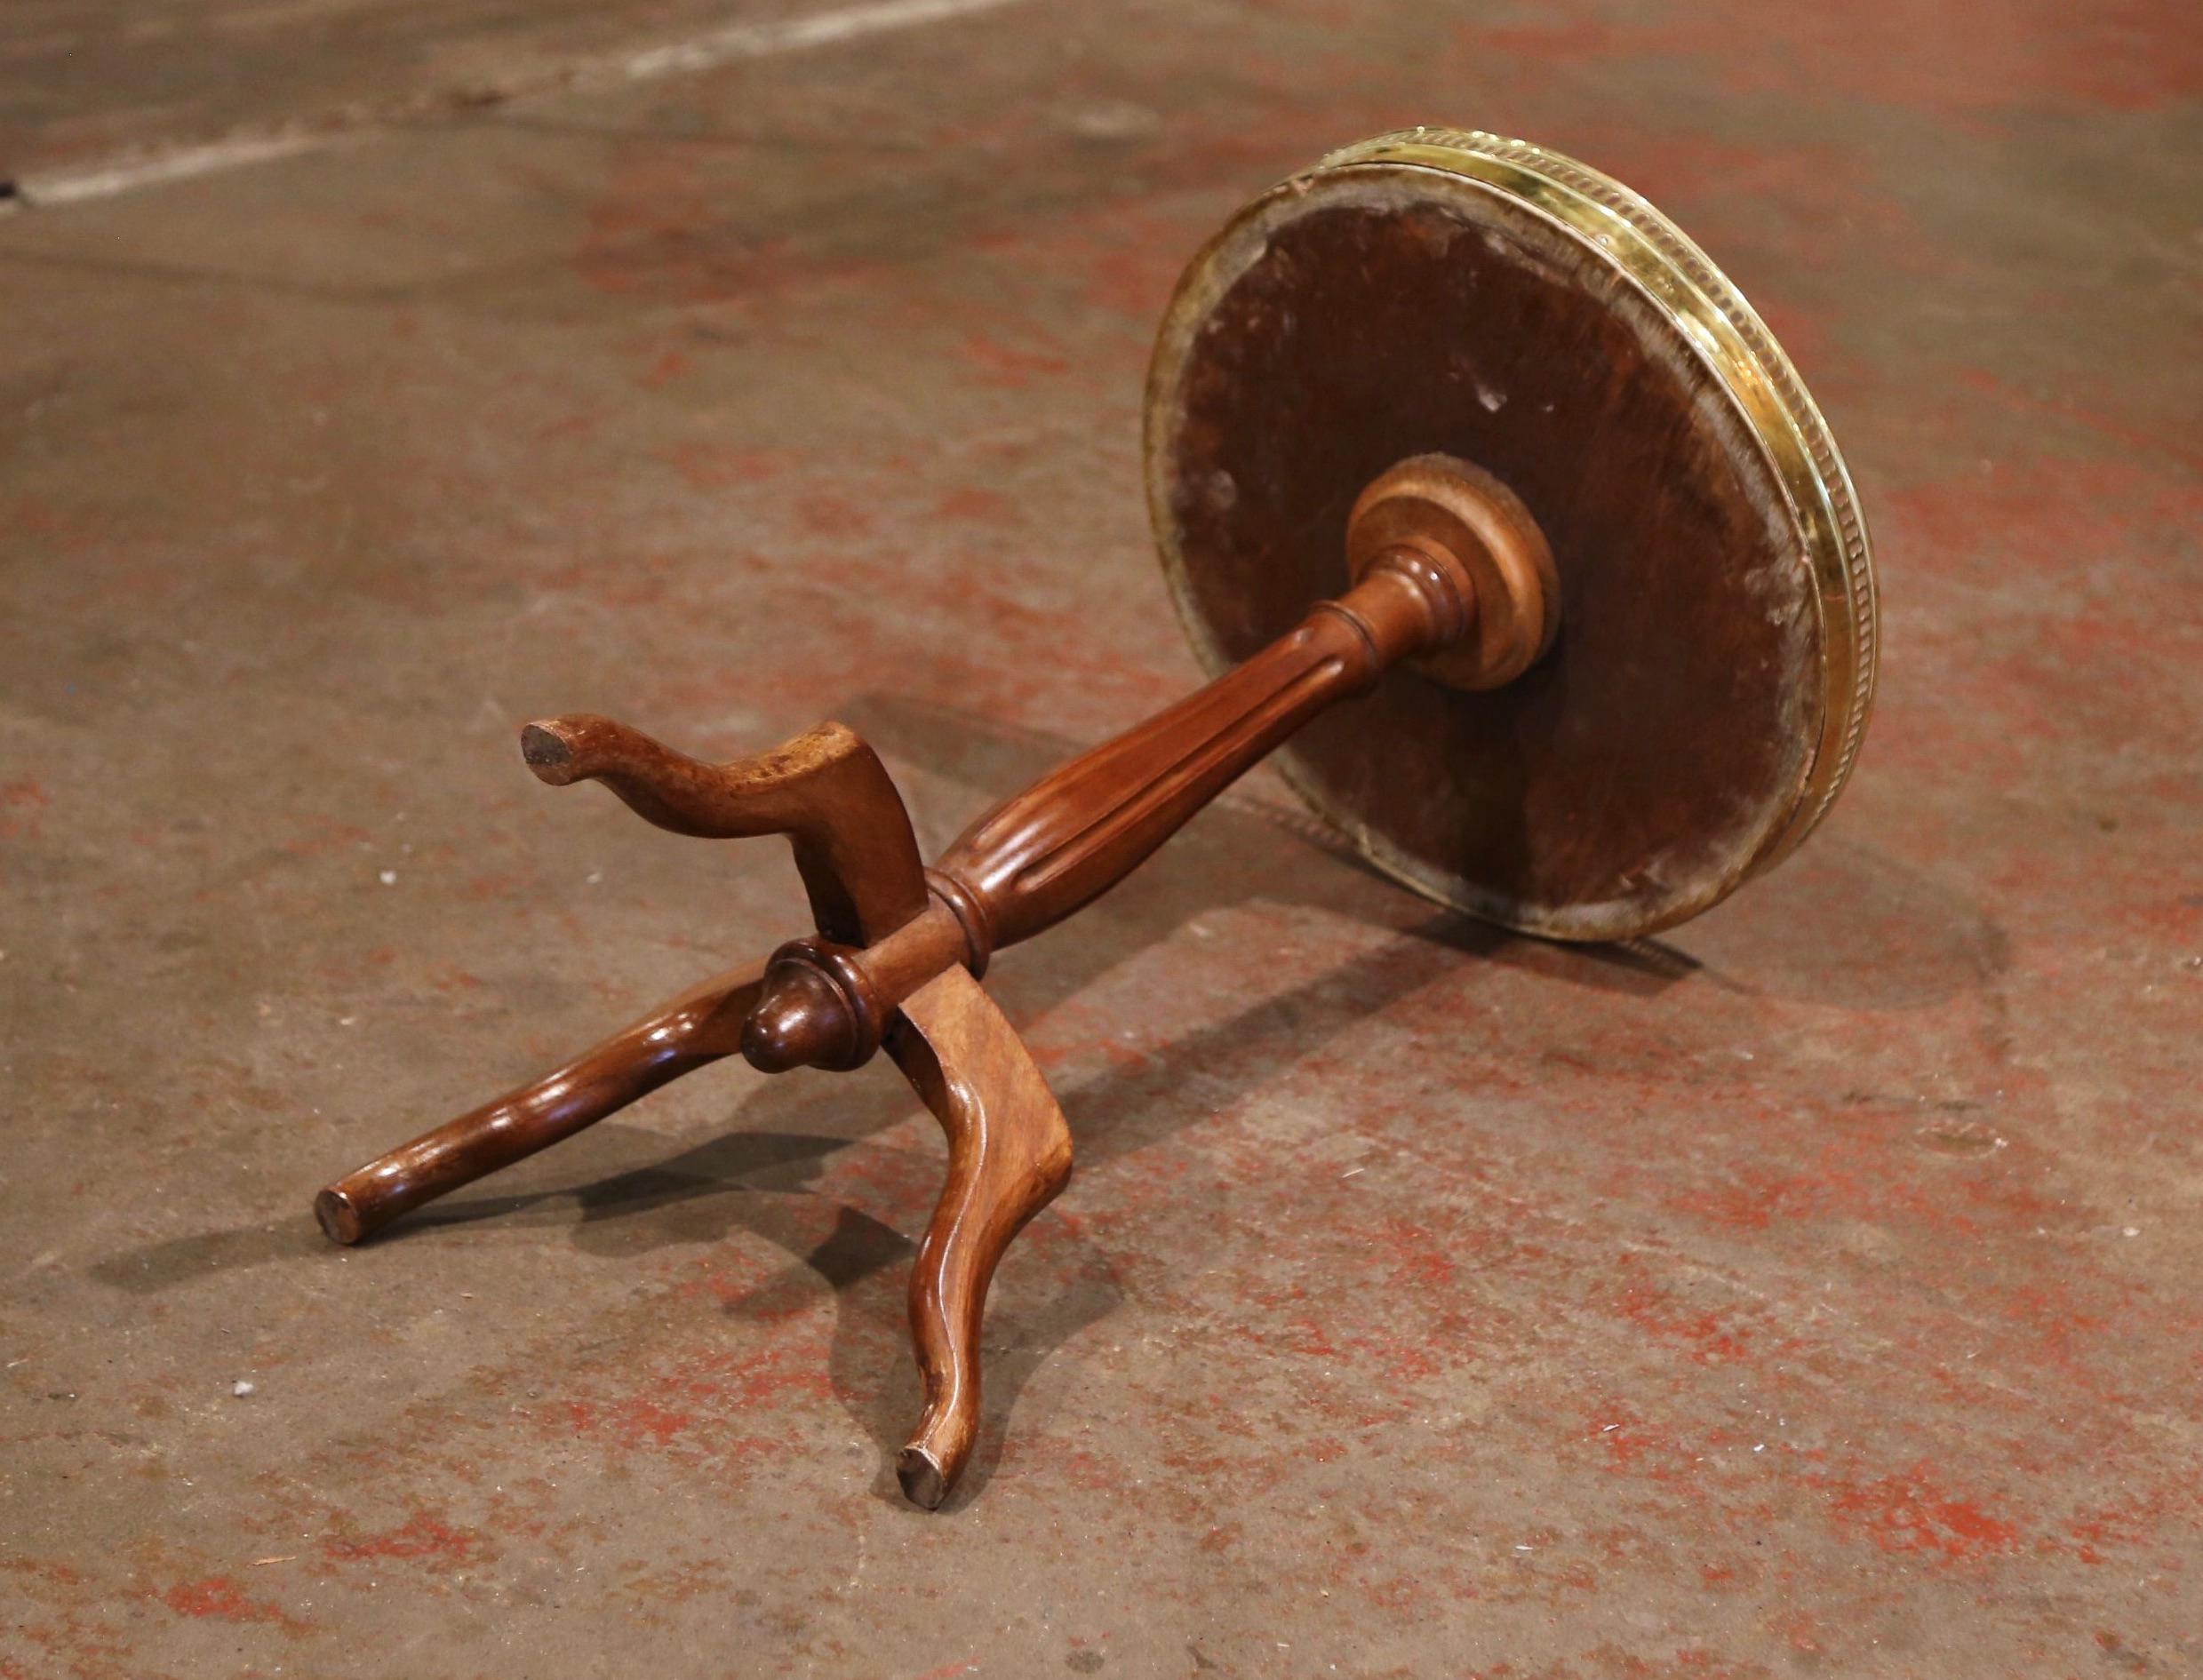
x,y
708,49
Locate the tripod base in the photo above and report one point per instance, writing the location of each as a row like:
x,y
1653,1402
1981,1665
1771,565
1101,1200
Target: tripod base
x,y
1009,1157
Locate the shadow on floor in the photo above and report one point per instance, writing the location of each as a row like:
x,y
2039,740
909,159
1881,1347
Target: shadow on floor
x,y
1241,850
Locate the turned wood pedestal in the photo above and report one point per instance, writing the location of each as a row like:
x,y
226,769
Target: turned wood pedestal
x,y
1501,518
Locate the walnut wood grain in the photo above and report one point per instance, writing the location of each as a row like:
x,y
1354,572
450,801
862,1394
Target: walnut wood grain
x,y
701,1025
1009,1157
826,789
1044,854
899,947
1039,856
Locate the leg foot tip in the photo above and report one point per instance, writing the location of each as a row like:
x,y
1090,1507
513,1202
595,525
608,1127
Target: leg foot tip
x,y
547,752
924,1483
340,1221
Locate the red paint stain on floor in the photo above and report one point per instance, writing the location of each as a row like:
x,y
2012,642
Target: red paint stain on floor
x,y
20,803
2044,512
1122,258
220,1599
1909,1512
1008,366
630,1422
323,836
1706,1338
669,365
707,465
1866,1175
421,1536
668,227
970,502
2031,55
828,514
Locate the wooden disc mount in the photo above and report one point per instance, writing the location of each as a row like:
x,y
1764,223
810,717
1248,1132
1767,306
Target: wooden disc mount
x,y
1437,291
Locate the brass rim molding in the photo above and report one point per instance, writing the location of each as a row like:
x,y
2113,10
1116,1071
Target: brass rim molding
x,y
1712,320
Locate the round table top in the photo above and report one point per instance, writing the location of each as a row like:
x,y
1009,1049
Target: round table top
x,y
1437,291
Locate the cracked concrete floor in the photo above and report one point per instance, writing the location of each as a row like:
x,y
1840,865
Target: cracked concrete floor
x,y
1814,1292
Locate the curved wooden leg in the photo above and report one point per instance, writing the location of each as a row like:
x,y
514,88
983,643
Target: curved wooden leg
x,y
1009,1155
702,1025
826,789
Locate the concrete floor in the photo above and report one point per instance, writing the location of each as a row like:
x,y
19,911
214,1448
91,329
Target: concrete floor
x,y
1813,1292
